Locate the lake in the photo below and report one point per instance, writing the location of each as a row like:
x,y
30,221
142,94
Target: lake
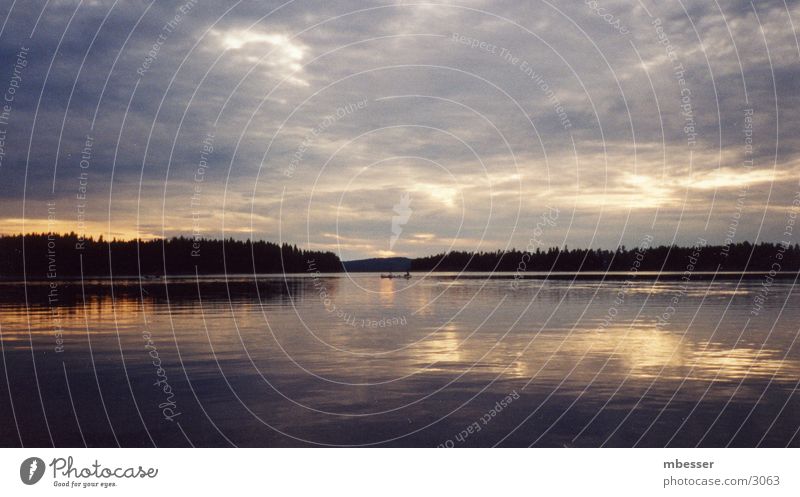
x,y
438,360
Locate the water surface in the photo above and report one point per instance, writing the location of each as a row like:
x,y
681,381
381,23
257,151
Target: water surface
x,y
462,360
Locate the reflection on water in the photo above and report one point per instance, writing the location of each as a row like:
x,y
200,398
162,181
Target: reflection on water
x,y
362,360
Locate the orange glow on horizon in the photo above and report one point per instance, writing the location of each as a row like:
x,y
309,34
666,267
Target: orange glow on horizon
x,y
19,226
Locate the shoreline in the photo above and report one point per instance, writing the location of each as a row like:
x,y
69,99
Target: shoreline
x,y
500,275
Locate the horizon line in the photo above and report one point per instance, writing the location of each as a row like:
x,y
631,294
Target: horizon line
x,y
98,238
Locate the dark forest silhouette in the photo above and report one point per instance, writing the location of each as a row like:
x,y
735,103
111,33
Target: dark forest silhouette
x,y
735,257
55,256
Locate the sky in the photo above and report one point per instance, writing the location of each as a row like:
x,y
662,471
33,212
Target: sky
x,y
402,128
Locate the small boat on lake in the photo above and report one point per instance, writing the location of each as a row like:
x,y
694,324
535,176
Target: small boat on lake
x,y
406,276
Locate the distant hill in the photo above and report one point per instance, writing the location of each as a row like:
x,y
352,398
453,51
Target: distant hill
x,y
387,264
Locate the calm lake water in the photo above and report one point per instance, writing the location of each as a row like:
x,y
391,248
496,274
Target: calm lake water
x,y
437,360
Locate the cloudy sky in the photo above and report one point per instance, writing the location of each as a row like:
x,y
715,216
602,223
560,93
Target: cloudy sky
x,y
400,128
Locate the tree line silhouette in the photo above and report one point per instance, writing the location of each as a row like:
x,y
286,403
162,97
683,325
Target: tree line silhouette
x,y
742,256
54,256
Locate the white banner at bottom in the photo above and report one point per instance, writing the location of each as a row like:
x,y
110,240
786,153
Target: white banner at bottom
x,y
401,472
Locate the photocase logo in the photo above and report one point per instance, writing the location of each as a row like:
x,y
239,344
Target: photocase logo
x,y
31,470
403,211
